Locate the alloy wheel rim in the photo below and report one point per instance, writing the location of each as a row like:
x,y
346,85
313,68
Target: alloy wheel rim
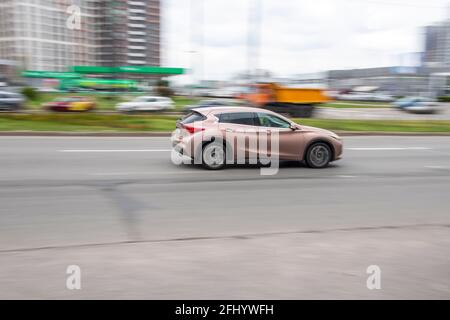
x,y
319,155
214,156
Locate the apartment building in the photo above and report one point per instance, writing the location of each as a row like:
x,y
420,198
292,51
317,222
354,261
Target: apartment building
x,y
437,45
135,32
36,34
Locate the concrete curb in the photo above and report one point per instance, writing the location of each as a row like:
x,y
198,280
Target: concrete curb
x,y
168,134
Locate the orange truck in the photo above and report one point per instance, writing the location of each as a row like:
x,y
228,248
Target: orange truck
x,y
296,102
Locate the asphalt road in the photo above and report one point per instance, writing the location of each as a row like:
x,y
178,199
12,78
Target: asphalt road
x,y
141,227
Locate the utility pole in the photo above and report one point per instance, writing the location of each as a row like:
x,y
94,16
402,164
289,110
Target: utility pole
x,y
197,39
201,40
253,38
192,46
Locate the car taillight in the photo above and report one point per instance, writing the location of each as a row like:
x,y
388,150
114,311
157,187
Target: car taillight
x,y
192,130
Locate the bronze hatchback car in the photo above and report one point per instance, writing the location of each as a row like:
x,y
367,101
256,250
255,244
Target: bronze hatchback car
x,y
217,136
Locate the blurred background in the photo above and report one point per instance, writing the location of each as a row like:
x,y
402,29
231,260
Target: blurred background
x,y
380,58
90,91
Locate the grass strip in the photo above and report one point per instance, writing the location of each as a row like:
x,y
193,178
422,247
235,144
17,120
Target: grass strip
x,y
91,122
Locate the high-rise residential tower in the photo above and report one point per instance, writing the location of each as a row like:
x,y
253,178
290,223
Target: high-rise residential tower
x,y
46,35
437,45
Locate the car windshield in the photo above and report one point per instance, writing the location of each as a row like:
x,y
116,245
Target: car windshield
x,y
408,99
141,99
425,100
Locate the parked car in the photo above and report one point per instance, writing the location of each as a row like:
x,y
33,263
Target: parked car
x,y
70,104
47,90
417,105
208,135
146,103
10,101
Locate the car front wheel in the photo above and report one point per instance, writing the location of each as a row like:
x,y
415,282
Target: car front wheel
x,y
213,156
318,155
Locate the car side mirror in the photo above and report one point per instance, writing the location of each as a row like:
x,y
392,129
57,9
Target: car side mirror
x,y
294,127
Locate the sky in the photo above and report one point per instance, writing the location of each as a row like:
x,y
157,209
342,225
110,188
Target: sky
x,y
296,36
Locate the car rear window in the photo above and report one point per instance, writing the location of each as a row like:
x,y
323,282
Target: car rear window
x,y
247,118
192,117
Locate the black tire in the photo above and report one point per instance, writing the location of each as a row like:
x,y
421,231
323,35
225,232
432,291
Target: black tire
x,y
214,155
318,155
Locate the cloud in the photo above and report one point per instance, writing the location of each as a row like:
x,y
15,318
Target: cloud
x,y
296,36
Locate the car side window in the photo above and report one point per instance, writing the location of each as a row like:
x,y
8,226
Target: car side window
x,y
246,118
268,120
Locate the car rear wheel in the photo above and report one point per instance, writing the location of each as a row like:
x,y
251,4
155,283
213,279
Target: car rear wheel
x,y
318,155
213,156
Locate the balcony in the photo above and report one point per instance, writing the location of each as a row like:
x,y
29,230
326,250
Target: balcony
x,y
136,55
139,11
137,40
137,33
137,3
139,18
136,25
136,62
137,47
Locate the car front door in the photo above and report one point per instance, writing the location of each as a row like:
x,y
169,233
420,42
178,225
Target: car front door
x,y
290,142
150,104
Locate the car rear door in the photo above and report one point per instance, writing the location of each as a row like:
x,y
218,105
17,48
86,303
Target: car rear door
x,y
240,131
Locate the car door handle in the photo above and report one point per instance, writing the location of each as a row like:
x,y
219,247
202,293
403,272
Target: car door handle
x,y
229,130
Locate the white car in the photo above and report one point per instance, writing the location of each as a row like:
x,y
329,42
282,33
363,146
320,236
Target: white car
x,y
417,105
146,103
10,101
46,90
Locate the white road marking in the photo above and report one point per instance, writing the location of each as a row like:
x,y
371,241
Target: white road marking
x,y
115,150
387,148
145,172
168,150
437,167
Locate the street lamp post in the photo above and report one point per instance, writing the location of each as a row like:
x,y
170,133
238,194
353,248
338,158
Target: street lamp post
x,y
253,38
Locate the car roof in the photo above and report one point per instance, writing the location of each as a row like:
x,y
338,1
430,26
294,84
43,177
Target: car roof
x,y
216,110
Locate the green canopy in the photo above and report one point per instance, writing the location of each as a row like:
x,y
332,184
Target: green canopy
x,y
128,69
